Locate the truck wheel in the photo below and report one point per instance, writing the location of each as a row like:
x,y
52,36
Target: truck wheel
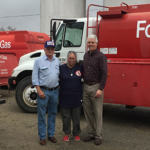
x,y
26,96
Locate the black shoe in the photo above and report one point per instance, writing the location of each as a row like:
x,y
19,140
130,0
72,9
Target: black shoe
x,y
52,139
98,141
42,142
88,138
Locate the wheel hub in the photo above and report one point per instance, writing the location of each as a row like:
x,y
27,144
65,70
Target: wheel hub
x,y
30,96
33,96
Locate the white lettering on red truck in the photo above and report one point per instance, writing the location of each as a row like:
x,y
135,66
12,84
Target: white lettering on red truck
x,y
4,44
3,57
139,28
4,71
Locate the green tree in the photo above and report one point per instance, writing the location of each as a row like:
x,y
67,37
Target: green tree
x,y
9,28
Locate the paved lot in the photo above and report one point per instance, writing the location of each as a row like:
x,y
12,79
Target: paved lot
x,y
123,129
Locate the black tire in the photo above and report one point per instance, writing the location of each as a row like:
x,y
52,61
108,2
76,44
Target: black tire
x,y
26,95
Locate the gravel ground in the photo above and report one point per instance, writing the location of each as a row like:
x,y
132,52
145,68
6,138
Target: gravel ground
x,y
123,129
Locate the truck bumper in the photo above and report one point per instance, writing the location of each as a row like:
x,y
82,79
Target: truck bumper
x,y
11,83
2,101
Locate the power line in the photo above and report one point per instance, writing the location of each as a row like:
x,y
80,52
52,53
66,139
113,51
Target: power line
x,y
20,16
32,15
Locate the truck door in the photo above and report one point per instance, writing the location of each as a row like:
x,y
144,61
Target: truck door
x,y
70,38
7,63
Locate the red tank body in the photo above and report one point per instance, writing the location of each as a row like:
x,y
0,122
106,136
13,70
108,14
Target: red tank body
x,y
14,44
124,37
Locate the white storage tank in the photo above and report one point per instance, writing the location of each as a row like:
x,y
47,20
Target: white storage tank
x,y
59,9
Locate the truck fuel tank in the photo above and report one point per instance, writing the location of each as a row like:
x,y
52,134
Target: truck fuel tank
x,y
124,32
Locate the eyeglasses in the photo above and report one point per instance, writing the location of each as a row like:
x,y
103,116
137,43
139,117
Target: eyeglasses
x,y
71,58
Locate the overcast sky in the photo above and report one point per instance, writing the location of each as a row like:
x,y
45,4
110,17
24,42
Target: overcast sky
x,y
25,14
22,14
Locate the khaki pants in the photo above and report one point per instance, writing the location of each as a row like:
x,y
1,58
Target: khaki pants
x,y
93,110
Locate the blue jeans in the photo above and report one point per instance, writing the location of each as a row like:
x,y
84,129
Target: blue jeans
x,y
51,100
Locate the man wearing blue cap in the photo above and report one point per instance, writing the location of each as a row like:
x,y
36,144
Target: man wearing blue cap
x,y
45,78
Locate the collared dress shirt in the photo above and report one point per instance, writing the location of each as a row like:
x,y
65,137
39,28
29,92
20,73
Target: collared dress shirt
x,y
46,72
95,67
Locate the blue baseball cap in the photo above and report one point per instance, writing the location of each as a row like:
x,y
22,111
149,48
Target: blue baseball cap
x,y
49,43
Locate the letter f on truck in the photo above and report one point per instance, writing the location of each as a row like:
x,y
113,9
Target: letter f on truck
x,y
142,29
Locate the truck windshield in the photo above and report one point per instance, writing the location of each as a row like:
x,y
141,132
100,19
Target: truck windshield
x,y
59,37
72,37
73,34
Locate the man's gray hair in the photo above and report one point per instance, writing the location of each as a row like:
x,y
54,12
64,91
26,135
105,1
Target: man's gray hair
x,y
93,36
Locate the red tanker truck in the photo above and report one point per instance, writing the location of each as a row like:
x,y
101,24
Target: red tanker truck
x,y
14,44
123,36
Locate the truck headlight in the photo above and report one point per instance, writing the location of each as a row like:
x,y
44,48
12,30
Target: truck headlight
x,y
12,72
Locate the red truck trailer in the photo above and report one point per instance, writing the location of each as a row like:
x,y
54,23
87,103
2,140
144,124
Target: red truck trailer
x,y
14,44
124,37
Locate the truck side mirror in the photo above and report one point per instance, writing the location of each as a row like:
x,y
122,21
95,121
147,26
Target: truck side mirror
x,y
54,30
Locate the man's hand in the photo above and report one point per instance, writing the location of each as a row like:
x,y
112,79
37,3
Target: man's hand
x,y
40,92
98,94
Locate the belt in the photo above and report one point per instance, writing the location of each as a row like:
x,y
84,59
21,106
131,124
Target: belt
x,y
50,89
91,83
